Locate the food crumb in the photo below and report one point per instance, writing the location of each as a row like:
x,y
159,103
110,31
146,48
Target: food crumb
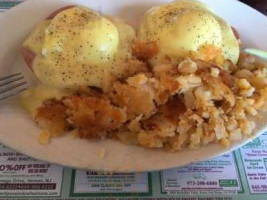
x,y
102,153
215,72
74,134
225,142
44,137
259,116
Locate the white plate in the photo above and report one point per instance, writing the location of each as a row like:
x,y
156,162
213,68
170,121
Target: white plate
x,y
19,132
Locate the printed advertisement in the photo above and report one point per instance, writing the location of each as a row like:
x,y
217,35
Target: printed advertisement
x,y
216,176
254,156
21,175
90,182
6,4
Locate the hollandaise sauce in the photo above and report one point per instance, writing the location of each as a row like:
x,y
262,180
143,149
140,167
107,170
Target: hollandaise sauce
x,y
79,47
183,27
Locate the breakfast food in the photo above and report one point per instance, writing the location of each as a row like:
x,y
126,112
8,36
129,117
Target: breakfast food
x,y
78,47
187,27
166,87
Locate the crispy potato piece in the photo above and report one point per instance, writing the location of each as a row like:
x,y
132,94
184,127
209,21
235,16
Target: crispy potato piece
x,y
137,96
145,51
219,88
92,116
51,116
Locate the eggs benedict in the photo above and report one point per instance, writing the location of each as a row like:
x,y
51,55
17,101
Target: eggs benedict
x,y
176,86
183,28
78,47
